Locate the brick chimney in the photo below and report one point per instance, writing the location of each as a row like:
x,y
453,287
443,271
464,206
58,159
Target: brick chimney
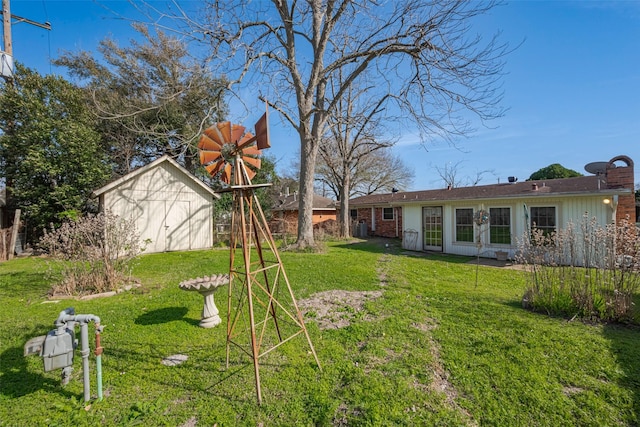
x,y
622,177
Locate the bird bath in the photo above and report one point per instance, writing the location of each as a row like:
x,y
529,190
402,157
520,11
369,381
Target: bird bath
x,y
206,286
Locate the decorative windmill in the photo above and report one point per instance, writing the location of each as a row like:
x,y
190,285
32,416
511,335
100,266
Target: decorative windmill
x,y
260,298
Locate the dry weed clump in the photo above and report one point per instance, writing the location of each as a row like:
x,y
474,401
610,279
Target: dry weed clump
x,y
588,271
93,253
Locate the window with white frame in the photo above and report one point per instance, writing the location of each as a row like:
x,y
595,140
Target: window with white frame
x,y
464,225
543,218
500,226
387,214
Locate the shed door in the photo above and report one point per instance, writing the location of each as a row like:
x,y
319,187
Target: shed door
x,y
177,226
166,224
432,228
151,225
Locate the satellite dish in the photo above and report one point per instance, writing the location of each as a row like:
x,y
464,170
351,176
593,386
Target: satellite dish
x,y
596,168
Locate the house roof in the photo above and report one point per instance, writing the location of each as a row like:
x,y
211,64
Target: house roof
x,y
145,168
292,201
583,185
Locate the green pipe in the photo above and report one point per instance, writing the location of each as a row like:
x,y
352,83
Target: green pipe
x,y
99,373
98,354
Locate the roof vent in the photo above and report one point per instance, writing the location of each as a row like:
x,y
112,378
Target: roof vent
x,y
534,186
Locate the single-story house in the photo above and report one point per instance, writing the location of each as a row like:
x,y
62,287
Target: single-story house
x,y
443,220
173,210
285,212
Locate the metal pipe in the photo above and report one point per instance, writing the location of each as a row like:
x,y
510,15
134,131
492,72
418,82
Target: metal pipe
x,y
66,320
69,315
84,336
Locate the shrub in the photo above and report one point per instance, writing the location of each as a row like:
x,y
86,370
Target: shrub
x,y
588,271
94,252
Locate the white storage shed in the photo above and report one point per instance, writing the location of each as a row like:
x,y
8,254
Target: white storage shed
x,y
171,207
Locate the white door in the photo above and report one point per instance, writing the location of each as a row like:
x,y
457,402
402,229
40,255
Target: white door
x,y
432,228
151,225
177,226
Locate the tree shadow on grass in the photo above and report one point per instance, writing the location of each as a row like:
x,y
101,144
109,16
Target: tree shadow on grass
x,y
625,345
164,315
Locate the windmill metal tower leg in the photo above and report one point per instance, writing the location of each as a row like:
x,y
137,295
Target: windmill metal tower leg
x,y
246,248
272,307
272,244
249,223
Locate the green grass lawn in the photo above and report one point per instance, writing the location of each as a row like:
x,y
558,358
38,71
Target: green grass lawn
x,y
433,349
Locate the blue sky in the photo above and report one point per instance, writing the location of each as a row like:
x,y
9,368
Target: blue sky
x,y
572,87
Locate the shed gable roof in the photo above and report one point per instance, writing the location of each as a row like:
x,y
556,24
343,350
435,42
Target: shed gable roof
x,y
141,170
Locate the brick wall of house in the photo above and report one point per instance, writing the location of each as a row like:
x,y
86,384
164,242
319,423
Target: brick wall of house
x,y
384,228
364,215
287,221
622,177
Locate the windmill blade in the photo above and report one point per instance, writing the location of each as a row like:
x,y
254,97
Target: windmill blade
x,y
214,168
236,133
246,148
251,151
214,133
250,173
246,140
225,130
207,157
206,143
226,173
252,161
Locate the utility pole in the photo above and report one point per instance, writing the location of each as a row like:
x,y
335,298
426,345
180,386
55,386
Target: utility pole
x,y
6,25
8,42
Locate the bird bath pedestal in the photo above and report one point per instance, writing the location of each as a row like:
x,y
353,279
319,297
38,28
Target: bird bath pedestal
x,y
206,286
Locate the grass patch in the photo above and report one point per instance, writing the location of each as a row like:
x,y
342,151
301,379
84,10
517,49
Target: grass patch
x,y
433,349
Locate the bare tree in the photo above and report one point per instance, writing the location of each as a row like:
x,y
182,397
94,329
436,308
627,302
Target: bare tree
x,y
362,173
354,132
381,172
450,175
420,52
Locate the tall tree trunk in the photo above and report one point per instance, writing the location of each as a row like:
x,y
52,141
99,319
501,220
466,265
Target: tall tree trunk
x,y
308,154
345,217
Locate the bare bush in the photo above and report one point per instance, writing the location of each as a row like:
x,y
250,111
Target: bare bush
x,y
326,230
589,271
94,253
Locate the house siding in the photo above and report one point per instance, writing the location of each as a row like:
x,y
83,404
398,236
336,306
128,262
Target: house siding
x,y
411,229
606,196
